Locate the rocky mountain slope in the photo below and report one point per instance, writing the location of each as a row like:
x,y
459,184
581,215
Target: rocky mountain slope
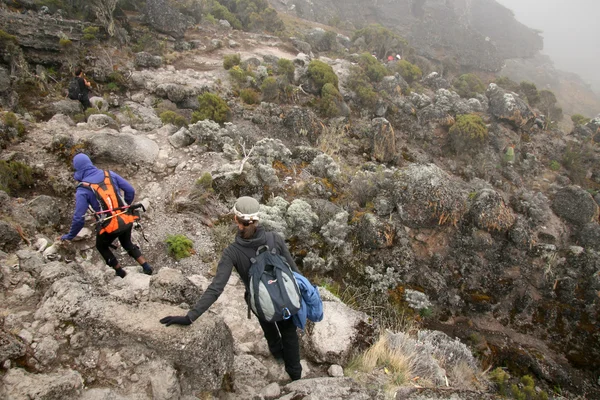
x,y
490,236
477,34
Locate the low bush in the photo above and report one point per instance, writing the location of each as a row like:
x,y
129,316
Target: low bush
x,y
372,68
531,93
250,96
14,175
507,84
90,32
408,71
321,73
469,132
231,60
360,84
211,107
179,246
285,68
330,101
468,85
270,89
579,119
171,117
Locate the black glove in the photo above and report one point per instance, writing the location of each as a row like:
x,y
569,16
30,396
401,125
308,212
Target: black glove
x,y
170,320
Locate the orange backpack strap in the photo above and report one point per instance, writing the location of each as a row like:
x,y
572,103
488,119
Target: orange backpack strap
x,y
114,216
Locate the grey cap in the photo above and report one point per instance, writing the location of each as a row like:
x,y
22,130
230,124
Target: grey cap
x,y
246,208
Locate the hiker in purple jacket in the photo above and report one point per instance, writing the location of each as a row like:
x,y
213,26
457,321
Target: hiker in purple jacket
x,y
85,197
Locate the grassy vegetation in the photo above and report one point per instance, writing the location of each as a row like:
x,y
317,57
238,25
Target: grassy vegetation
x,y
211,107
179,246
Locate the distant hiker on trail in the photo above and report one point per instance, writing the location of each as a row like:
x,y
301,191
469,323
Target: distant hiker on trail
x,y
101,191
281,335
79,89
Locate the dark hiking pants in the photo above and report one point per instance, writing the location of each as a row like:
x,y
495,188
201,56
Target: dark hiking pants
x,y
283,343
104,241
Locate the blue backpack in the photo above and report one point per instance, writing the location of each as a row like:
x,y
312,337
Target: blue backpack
x,y
273,293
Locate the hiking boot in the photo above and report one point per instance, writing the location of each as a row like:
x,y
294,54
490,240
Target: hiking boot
x,y
147,270
120,272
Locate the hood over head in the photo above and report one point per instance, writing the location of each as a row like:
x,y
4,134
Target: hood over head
x,y
85,171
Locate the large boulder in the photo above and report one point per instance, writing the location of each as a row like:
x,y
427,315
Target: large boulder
x,y
382,140
342,332
489,211
139,117
589,236
202,353
181,138
147,60
11,347
427,196
9,237
330,388
60,385
120,148
65,107
44,209
99,121
576,205
508,106
166,19
171,286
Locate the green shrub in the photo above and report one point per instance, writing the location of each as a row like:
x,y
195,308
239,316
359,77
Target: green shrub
x,y
179,246
554,165
270,89
549,106
113,87
408,71
90,32
231,60
531,93
286,69
14,175
579,119
171,117
238,75
507,84
211,107
10,119
250,96
372,68
64,42
381,40
360,84
330,100
321,73
205,181
468,133
500,378
468,85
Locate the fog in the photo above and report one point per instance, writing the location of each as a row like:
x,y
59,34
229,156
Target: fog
x,y
571,32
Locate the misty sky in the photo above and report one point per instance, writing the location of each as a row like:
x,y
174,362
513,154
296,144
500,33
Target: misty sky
x,y
570,29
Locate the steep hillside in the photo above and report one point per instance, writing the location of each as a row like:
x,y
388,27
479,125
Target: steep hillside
x,y
476,34
454,231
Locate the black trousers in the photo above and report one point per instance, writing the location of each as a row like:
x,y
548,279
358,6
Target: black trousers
x,y
84,99
283,343
104,241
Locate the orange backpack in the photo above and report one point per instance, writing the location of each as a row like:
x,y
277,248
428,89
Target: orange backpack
x,y
115,216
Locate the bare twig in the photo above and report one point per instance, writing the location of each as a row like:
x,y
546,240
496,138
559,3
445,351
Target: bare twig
x,y
246,155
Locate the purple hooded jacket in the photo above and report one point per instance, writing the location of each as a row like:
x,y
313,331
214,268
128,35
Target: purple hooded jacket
x,y
85,171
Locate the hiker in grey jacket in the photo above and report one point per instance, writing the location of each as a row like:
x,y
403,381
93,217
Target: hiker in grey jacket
x,y
281,336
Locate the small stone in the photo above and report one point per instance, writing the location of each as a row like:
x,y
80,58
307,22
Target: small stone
x,y
271,391
26,336
134,378
336,371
